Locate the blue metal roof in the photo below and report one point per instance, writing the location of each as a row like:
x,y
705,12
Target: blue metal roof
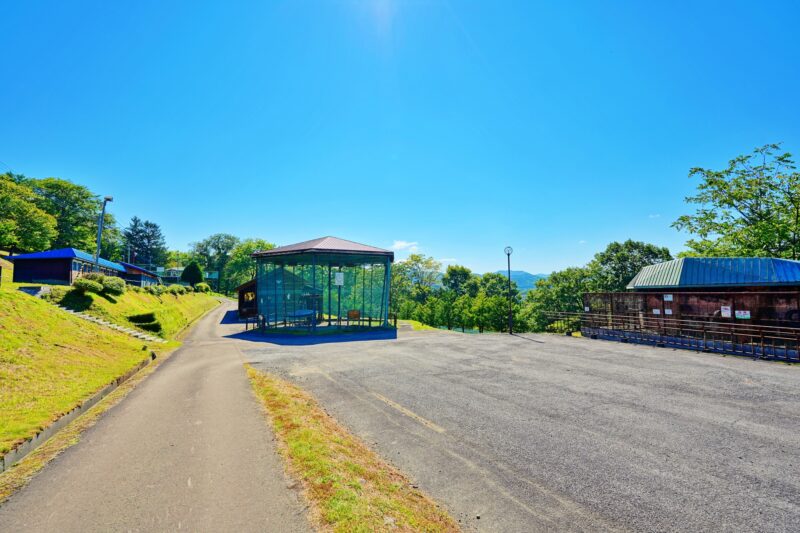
x,y
130,266
697,272
68,253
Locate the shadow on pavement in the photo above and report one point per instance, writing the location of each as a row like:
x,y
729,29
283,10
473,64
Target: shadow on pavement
x,y
308,340
230,317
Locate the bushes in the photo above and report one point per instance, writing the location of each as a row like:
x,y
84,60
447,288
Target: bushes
x,y
156,290
84,285
202,287
113,285
176,289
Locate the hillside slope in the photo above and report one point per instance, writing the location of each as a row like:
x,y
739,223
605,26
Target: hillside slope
x,y
164,315
50,361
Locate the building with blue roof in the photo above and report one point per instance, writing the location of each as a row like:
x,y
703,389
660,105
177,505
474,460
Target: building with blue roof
x,y
139,276
60,267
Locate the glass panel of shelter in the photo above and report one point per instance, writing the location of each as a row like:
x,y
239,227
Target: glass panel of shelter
x,y
301,291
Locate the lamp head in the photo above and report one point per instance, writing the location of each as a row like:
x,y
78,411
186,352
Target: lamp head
x,y
109,198
509,250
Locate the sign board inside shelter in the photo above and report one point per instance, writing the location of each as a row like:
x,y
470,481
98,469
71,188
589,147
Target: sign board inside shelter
x,y
667,297
725,311
338,278
656,311
743,315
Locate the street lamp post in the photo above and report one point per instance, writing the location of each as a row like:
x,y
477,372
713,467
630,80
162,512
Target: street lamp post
x,y
100,230
509,251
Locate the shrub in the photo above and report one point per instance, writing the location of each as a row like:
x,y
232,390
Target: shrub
x,y
56,294
176,289
189,288
156,290
95,276
192,274
136,288
202,287
113,285
84,285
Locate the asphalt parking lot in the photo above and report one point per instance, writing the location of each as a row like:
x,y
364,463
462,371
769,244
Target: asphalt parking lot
x,y
556,433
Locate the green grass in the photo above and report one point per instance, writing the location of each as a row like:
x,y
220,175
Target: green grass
x,y
51,361
417,326
171,313
348,486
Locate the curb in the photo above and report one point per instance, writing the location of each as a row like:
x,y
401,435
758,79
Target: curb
x,y
18,453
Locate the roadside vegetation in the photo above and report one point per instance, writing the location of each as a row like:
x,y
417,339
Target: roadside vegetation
x,y
751,208
164,311
51,361
349,488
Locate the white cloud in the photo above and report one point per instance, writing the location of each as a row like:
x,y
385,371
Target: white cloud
x,y
408,246
581,241
656,215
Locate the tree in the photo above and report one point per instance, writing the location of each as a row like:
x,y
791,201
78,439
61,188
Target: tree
x,y
493,284
750,208
560,291
614,267
192,274
23,226
242,267
74,207
414,279
460,280
215,251
146,242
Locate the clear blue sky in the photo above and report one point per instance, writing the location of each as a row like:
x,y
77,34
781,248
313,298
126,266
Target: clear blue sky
x,y
459,126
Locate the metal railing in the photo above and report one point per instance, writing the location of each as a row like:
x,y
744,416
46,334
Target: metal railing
x,y
768,342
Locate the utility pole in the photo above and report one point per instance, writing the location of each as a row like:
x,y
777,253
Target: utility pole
x,y
100,230
508,252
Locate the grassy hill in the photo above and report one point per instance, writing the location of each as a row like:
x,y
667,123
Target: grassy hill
x,y
164,315
50,361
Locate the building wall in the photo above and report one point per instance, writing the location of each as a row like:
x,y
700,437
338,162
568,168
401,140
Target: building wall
x,y
43,271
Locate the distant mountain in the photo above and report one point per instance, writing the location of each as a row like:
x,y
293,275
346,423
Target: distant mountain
x,y
525,280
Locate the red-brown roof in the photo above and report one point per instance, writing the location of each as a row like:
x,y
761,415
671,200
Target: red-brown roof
x,y
326,245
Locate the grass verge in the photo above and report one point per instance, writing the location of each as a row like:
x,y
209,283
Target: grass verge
x,y
18,475
51,361
418,326
348,486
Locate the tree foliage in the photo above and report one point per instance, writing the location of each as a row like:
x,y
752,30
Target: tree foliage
x,y
146,242
242,267
23,225
750,208
613,268
192,274
215,252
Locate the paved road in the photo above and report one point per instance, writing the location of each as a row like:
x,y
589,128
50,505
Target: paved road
x,y
187,449
555,433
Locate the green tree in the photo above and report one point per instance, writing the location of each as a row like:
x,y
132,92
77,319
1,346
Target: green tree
x,y
749,208
462,309
74,207
242,267
614,267
560,291
192,274
146,242
215,251
23,226
493,284
460,280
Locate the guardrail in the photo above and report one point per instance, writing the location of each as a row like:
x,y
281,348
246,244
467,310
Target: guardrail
x,y
769,342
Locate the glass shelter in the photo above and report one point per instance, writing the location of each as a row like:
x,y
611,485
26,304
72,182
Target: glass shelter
x,y
323,283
